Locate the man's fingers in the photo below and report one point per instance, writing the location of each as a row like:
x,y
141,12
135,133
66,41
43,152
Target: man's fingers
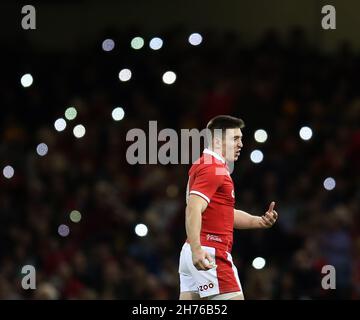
x,y
271,207
206,263
275,214
269,218
212,263
272,216
203,265
266,221
200,266
209,257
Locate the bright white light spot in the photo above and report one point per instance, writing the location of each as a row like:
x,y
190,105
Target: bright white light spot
x,y
256,156
137,43
108,44
42,149
118,114
141,230
169,77
70,113
60,124
195,39
79,131
26,80
329,183
125,75
260,136
8,172
259,263
305,133
156,43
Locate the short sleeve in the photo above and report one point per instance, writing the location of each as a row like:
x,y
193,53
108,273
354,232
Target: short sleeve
x,y
206,181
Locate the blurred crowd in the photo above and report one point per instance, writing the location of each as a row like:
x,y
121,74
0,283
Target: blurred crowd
x,y
279,84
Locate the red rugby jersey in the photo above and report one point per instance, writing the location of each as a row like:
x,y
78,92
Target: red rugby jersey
x,y
210,179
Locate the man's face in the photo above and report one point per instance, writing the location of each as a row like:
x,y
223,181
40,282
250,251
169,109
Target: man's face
x,y
232,144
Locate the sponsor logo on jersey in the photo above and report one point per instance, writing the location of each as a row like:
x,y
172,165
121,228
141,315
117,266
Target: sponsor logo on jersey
x,y
206,287
212,237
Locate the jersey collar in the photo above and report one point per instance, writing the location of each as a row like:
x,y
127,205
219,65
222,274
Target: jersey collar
x,y
214,154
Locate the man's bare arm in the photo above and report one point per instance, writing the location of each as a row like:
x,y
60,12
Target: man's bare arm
x,y
194,209
244,220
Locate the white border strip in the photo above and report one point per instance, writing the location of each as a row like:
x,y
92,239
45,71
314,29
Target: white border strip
x,y
214,154
200,194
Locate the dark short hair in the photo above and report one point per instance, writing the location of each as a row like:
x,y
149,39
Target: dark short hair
x,y
224,122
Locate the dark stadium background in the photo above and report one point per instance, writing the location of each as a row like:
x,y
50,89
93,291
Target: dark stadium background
x,y
268,62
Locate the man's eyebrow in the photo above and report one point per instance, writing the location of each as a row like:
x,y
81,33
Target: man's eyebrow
x,y
238,136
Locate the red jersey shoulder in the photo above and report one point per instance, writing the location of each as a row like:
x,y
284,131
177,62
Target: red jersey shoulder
x,y
206,178
207,164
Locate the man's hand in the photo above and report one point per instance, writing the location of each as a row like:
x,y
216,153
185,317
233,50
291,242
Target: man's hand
x,y
202,259
269,218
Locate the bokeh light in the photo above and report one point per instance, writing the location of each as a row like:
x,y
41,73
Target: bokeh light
x,y
172,191
169,77
137,43
260,135
156,43
258,263
125,75
118,114
42,149
70,113
256,156
8,172
26,80
141,230
195,39
329,183
305,133
75,216
60,124
108,45
63,230
79,131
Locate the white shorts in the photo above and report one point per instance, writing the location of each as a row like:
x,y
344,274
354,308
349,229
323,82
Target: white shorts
x,y
221,279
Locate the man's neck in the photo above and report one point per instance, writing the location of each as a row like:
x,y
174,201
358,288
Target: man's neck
x,y
215,154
